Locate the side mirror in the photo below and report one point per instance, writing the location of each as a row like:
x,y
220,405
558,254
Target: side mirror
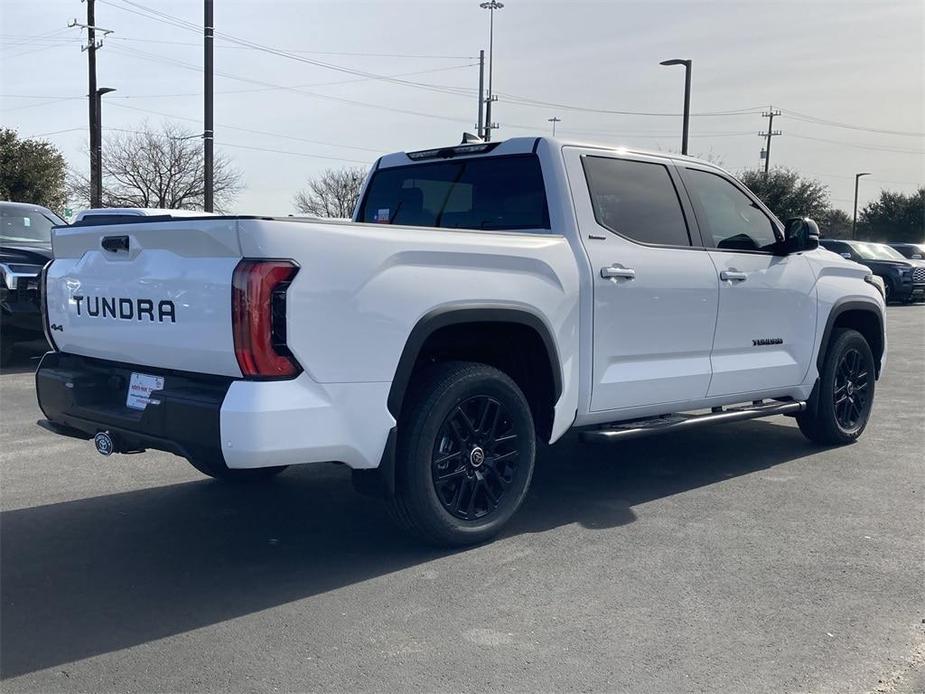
x,y
845,255
800,234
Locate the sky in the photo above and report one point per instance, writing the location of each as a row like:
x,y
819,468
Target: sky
x,y
848,78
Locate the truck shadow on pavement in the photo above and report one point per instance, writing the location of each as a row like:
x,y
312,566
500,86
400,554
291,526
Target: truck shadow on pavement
x,y
91,576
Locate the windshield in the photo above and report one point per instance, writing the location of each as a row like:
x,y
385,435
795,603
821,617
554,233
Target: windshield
x,y
912,250
877,251
23,226
885,252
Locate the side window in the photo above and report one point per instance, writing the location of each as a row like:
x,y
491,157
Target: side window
x,y
636,199
727,215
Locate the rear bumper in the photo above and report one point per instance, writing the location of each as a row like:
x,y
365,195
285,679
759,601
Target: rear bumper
x,y
245,424
88,395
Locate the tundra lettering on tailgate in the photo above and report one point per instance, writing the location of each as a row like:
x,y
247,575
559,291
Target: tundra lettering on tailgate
x,y
126,309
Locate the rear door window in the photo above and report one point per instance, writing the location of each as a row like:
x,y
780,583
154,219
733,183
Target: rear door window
x,y
636,199
490,193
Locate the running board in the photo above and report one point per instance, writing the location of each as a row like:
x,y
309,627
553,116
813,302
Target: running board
x,y
683,422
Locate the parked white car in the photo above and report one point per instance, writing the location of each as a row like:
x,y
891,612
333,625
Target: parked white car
x,y
485,295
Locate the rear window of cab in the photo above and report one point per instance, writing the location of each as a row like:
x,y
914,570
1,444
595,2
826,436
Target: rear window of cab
x,y
504,193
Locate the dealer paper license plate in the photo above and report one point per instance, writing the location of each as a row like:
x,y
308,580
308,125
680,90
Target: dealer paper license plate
x,y
140,387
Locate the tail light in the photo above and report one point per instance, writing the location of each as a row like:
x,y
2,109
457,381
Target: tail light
x,y
258,317
43,305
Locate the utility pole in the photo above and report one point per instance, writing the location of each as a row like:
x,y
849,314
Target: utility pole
x,y
854,218
93,96
491,6
208,133
554,120
98,134
96,172
481,128
769,114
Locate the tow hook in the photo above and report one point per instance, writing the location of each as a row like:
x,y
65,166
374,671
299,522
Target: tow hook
x,y
104,444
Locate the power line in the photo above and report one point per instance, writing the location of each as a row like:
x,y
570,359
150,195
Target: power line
x,y
527,101
290,152
360,54
250,130
53,100
838,124
656,133
858,145
55,132
224,91
303,92
183,24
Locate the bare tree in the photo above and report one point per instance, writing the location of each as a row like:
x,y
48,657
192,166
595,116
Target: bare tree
x,y
158,168
333,194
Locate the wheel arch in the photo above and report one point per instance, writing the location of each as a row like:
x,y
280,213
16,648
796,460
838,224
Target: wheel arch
x,y
500,320
863,316
451,321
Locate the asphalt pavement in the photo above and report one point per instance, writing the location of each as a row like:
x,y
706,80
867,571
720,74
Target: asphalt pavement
x,y
738,558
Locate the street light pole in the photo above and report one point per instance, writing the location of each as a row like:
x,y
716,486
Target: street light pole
x,y
96,175
491,6
481,122
554,120
854,218
687,98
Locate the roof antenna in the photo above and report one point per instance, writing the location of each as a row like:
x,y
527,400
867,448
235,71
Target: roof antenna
x,y
470,137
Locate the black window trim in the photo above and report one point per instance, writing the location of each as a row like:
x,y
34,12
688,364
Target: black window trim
x,y
361,209
687,212
708,240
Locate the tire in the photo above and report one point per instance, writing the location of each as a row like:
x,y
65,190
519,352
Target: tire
x,y
220,471
466,452
848,377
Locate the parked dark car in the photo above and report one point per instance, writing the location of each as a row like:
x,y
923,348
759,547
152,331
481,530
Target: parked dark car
x,y
25,248
903,279
913,251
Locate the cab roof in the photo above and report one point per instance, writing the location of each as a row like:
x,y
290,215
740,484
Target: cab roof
x,y
515,145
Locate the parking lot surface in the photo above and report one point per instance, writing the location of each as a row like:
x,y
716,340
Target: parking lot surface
x,y
737,558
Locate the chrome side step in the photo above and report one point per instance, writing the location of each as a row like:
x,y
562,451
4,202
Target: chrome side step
x,y
683,422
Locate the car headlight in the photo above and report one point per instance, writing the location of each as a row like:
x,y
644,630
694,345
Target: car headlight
x,y
877,282
906,272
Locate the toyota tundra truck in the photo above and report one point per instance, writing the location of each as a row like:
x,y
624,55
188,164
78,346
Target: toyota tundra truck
x,y
485,296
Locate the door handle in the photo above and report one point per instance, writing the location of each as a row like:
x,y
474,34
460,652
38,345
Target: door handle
x,y
114,244
613,272
733,276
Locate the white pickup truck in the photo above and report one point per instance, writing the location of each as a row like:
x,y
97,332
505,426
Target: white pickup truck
x,y
485,295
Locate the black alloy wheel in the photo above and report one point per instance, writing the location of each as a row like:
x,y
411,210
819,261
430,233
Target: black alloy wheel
x,y
475,458
850,397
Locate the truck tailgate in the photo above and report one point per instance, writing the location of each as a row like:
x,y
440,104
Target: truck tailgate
x,y
146,293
